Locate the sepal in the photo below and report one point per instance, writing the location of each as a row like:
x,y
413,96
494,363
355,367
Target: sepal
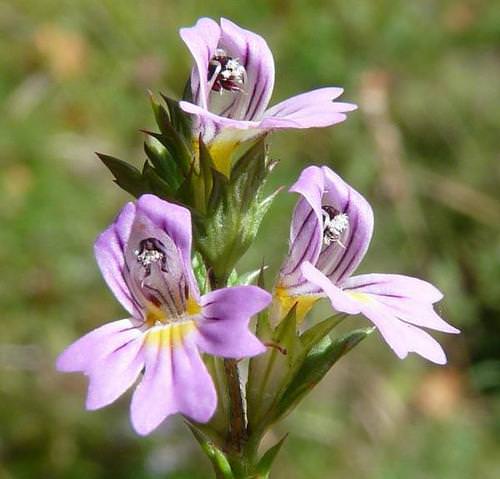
x,y
218,459
267,460
127,177
163,162
200,273
235,209
244,279
181,122
175,131
317,363
268,372
155,183
319,331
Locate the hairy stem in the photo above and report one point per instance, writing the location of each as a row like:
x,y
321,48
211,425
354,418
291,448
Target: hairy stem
x,y
237,432
237,420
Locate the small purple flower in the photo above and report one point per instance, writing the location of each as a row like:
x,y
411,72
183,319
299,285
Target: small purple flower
x,y
232,83
331,229
145,257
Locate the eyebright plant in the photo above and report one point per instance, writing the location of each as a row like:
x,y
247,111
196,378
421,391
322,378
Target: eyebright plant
x,y
188,328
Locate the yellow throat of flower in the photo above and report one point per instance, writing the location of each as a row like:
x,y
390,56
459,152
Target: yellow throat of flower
x,y
286,302
156,315
221,152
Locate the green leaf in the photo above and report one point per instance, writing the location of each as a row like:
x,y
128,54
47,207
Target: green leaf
x,y
249,172
203,179
217,457
126,176
181,121
157,111
317,363
285,336
235,211
244,279
200,273
316,333
175,145
266,462
163,162
156,184
269,372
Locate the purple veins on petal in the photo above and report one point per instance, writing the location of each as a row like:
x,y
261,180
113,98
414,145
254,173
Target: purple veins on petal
x,y
145,257
79,356
175,380
115,373
223,328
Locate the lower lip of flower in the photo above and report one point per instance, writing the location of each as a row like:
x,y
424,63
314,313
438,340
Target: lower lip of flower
x,y
171,335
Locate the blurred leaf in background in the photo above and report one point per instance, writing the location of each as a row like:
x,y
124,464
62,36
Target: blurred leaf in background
x,y
423,148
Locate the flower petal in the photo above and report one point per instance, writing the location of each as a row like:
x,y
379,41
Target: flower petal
x,y
202,40
341,301
403,338
312,109
223,330
175,221
394,285
339,262
409,299
114,373
194,389
83,353
254,54
164,282
175,379
306,231
109,252
154,398
220,121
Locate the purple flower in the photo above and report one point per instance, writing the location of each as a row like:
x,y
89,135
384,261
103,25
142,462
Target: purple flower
x,y
145,257
331,229
232,83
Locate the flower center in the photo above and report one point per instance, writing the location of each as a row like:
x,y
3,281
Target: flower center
x,y
225,72
159,283
151,251
334,224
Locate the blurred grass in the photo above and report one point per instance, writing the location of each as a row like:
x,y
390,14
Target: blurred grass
x,y
423,148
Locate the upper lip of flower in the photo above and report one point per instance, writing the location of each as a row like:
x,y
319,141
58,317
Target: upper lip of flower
x,y
155,274
245,107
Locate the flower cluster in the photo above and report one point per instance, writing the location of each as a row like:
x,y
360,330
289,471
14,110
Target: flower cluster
x,y
202,184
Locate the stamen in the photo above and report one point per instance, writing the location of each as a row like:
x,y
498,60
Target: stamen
x,y
159,278
225,72
149,253
334,225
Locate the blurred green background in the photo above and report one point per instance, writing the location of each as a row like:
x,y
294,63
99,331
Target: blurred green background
x,y
424,148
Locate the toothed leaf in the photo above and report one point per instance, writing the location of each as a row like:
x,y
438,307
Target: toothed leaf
x,y
127,177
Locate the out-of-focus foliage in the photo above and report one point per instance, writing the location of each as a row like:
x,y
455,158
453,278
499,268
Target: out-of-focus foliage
x,y
424,148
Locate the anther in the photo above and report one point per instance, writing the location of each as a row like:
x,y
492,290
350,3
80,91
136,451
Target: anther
x,y
225,72
150,252
334,225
